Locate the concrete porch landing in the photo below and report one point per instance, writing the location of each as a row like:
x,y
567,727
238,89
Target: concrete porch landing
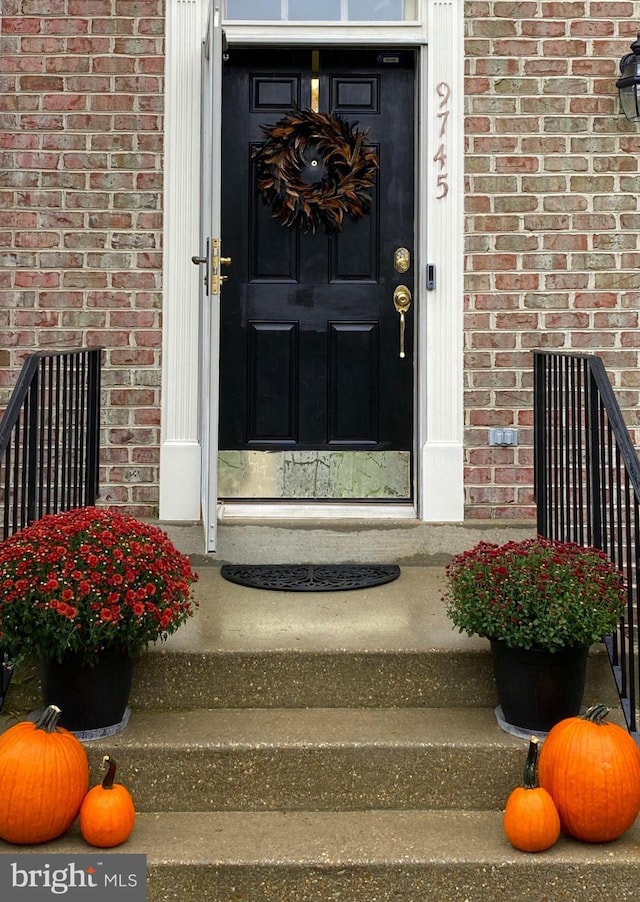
x,y
406,614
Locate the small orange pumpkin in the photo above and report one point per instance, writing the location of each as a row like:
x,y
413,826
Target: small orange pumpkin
x,y
531,821
107,814
591,768
44,775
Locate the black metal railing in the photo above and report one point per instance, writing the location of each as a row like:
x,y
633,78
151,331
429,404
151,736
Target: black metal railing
x,y
587,486
49,438
49,444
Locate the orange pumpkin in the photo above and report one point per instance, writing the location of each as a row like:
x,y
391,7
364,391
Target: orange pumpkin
x,y
107,815
44,775
591,768
531,821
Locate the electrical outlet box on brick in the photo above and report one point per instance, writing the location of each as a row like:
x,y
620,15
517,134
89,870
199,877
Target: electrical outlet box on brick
x,y
503,437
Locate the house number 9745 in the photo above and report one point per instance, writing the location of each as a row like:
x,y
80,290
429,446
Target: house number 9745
x,y
443,91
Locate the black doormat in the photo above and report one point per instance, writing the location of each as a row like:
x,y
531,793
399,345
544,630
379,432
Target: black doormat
x,y
310,577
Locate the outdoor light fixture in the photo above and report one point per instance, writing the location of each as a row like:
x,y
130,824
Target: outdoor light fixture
x,y
629,84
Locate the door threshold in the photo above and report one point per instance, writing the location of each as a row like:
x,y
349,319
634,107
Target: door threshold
x,y
230,510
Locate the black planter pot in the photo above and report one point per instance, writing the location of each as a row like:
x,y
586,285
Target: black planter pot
x,y
537,689
91,698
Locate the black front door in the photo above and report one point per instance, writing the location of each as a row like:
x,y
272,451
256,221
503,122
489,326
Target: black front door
x,y
310,336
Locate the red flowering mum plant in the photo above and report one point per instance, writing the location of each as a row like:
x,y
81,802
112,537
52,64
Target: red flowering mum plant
x,y
536,593
90,579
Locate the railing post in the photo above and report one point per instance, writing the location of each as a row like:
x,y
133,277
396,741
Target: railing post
x,y
30,458
92,476
595,460
540,439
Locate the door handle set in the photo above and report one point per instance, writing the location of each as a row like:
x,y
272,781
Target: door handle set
x,y
402,302
402,294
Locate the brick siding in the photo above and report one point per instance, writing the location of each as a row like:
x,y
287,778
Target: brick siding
x,y
552,255
552,222
81,85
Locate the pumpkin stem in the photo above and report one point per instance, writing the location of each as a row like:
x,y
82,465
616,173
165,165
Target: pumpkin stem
x,y
110,765
530,779
48,720
596,713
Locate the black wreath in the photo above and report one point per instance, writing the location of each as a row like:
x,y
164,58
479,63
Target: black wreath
x,y
313,168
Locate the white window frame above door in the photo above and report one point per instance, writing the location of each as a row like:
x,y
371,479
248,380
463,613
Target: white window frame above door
x,y
438,38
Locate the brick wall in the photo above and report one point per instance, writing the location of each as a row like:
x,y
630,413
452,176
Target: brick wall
x,y
552,257
80,210
553,249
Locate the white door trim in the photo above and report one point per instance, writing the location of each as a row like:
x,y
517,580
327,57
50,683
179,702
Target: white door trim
x,y
180,448
441,224
439,242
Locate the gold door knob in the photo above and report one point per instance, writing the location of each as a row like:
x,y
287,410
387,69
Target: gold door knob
x,y
402,299
402,302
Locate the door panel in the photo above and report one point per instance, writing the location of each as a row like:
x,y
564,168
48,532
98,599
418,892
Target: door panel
x,y
353,390
310,337
272,358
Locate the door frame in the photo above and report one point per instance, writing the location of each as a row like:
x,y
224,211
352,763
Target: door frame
x,y
439,237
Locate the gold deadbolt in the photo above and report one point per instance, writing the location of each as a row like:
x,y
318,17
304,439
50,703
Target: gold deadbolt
x,y
401,259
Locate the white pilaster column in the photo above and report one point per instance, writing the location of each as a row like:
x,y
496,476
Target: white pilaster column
x,y
440,395
180,451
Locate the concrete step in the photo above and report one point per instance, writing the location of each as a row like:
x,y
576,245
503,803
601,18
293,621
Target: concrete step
x,y
289,679
306,538
294,679
317,759
363,856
